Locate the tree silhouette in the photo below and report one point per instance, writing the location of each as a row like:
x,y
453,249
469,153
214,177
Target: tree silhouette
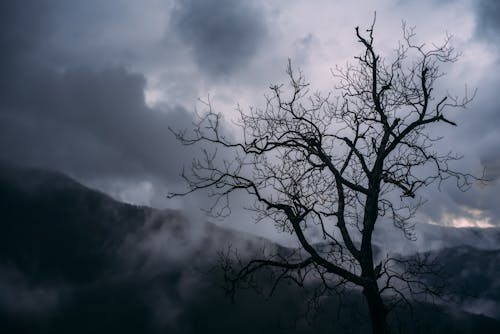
x,y
329,168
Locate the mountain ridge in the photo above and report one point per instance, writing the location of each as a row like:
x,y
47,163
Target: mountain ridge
x,y
70,255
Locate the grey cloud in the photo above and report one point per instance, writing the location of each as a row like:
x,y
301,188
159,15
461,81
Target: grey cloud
x,y
224,35
479,138
483,124
492,168
303,47
22,33
488,19
63,34
77,115
85,119
90,123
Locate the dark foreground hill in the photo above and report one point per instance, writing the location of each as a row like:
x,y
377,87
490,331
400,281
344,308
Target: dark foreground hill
x,y
73,260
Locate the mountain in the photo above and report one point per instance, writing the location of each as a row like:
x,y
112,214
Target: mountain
x,y
431,237
74,260
473,278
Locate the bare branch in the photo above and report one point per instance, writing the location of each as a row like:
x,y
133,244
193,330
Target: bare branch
x,y
334,166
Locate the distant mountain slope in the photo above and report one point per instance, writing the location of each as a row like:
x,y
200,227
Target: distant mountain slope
x,y
434,237
73,260
474,278
55,229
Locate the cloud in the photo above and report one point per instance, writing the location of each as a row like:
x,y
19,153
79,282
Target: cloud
x,y
488,19
224,35
77,114
89,123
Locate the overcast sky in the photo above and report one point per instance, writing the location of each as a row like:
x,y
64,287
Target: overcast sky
x,y
90,87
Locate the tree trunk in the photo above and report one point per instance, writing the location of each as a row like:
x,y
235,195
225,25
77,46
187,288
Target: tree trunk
x,y
376,307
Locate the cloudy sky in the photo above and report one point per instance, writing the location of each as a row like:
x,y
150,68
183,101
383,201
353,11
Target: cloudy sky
x,y
90,87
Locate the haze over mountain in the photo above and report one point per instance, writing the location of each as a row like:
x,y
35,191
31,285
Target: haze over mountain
x,y
73,260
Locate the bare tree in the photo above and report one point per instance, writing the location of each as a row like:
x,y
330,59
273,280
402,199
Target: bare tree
x,y
338,165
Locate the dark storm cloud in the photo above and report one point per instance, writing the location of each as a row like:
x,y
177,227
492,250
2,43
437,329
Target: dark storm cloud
x,y
21,32
91,123
88,122
224,35
488,19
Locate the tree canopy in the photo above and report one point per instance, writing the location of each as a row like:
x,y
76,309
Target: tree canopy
x,y
335,165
